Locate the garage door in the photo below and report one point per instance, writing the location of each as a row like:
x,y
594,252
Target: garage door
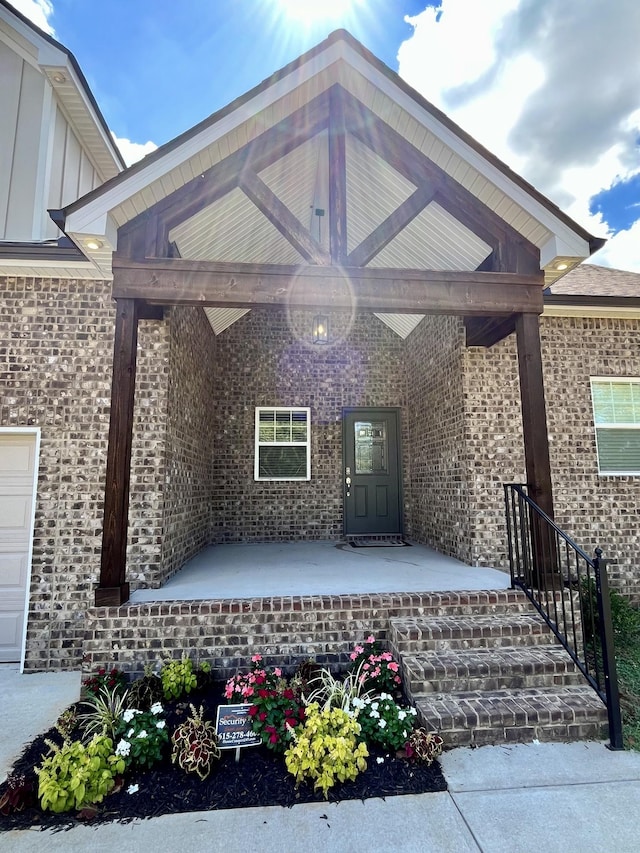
x,y
17,481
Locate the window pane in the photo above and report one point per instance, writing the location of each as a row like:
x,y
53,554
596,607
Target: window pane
x,y
603,403
622,402
370,447
266,431
283,462
299,426
619,450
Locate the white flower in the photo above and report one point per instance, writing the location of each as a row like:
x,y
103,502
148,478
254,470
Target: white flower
x,y
156,708
413,711
133,789
375,706
402,715
160,724
374,714
142,734
380,759
131,732
123,748
357,703
385,696
382,723
129,714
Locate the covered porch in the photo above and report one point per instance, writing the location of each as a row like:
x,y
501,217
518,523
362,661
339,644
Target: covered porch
x,y
261,570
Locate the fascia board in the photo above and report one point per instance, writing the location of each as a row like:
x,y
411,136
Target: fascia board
x,y
78,219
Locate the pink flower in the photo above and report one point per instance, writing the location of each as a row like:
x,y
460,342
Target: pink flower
x,y
358,650
353,656
370,639
393,666
397,679
277,671
256,659
365,666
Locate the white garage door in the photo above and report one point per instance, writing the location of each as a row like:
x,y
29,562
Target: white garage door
x,y
18,465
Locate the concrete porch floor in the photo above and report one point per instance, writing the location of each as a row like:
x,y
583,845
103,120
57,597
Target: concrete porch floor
x,y
318,568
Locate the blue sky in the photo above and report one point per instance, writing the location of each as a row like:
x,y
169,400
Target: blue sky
x,y
550,86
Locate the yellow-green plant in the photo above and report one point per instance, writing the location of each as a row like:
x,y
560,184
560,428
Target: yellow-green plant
x,y
326,748
195,744
178,677
76,775
103,713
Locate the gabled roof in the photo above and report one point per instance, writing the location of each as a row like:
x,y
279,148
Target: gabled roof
x,y
594,291
61,68
300,180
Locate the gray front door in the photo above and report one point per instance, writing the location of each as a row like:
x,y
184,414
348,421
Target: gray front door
x,y
371,474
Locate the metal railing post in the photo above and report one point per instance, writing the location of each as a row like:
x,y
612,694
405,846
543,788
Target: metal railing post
x,y
608,652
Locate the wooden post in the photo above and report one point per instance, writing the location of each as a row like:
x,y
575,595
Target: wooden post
x,y
534,416
113,589
536,447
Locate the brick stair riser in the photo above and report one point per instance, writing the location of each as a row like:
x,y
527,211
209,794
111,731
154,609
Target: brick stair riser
x,y
509,681
521,734
424,644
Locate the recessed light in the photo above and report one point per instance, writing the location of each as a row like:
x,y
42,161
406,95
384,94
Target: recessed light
x,y
93,243
562,266
59,77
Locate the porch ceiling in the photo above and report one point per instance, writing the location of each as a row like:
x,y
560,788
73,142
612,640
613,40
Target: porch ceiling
x,y
382,119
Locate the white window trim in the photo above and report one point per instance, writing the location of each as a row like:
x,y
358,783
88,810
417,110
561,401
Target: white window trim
x,y
596,426
258,444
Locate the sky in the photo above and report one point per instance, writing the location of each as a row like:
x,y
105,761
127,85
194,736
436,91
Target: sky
x,y
552,87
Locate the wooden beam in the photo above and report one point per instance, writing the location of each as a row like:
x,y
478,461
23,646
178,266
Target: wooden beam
x,y
224,176
416,167
281,218
534,418
337,178
113,589
487,331
179,281
391,227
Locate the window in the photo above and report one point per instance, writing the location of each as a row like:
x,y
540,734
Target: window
x,y
282,444
616,414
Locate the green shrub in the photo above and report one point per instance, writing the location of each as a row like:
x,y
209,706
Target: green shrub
x,y
331,692
326,749
146,691
103,713
178,678
384,722
195,744
76,775
142,736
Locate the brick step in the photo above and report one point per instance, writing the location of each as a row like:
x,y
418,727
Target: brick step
x,y
411,635
499,716
454,670
470,602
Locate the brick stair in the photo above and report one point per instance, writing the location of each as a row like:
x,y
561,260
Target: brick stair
x,y
493,672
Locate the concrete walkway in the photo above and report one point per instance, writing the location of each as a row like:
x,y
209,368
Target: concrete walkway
x,y
534,798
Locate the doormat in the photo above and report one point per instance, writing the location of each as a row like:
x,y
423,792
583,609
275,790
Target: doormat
x,y
377,542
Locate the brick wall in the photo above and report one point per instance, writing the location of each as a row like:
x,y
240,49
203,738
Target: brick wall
x,y
439,490
192,425
55,366
266,359
592,509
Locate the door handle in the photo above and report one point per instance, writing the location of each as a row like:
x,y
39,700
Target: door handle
x,y
348,484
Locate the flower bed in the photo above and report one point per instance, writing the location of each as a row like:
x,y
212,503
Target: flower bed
x,y
110,760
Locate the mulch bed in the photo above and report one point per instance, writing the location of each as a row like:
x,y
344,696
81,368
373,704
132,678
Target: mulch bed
x,y
258,779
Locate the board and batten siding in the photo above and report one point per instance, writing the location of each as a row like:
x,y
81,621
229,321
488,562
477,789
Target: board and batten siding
x,y
42,159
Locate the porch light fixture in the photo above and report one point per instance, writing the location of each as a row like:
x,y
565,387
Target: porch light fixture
x,y
562,266
321,329
93,243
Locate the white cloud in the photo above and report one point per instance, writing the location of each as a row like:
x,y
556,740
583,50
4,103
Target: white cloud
x,y
133,151
38,11
552,87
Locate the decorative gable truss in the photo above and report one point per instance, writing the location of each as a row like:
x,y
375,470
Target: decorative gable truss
x,y
336,200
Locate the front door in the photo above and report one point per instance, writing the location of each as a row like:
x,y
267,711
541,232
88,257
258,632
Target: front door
x,y
371,473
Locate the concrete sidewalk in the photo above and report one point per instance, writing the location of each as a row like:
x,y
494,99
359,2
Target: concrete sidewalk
x,y
570,798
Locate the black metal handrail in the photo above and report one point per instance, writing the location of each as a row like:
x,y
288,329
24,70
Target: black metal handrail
x,y
570,590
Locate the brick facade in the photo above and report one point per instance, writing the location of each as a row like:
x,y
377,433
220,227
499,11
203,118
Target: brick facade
x,y
192,460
